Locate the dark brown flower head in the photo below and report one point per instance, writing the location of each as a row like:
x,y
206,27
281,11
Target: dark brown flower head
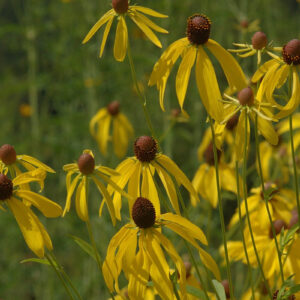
x,y
8,154
6,187
198,29
278,225
143,213
232,122
291,52
225,284
244,23
294,219
86,163
113,108
120,6
246,96
259,40
209,155
145,148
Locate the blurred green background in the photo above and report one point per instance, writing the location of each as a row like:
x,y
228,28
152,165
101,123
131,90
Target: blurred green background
x,y
51,86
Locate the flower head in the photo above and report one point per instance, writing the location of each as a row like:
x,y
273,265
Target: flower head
x,y
85,169
19,201
122,131
137,250
138,173
121,9
192,51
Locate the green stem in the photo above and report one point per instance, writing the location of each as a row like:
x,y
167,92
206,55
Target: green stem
x,y
141,94
241,227
65,275
267,199
59,276
220,202
246,206
294,167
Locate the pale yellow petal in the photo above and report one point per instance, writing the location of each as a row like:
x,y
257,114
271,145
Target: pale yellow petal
x,y
105,35
121,40
149,11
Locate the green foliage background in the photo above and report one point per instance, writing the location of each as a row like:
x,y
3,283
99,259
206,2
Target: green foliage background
x,y
44,64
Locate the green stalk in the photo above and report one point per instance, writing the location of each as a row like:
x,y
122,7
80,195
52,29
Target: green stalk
x,y
59,276
221,209
267,199
241,227
141,94
247,210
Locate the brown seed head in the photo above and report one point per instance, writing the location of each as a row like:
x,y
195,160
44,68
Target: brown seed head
x,y
120,6
246,96
278,225
259,40
244,23
86,163
232,122
225,284
291,52
8,154
145,148
113,108
143,213
6,187
198,29
209,155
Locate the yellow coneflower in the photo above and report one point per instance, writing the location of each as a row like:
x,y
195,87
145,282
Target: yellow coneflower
x,y
120,11
259,45
146,162
122,130
192,50
248,105
205,182
85,170
275,72
14,196
137,250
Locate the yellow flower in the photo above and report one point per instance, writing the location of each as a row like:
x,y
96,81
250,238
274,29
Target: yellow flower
x,y
247,105
259,45
145,163
148,260
85,170
14,196
122,130
205,182
120,11
25,110
276,72
192,50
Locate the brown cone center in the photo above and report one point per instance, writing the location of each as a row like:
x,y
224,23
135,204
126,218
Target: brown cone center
x,y
246,96
145,148
8,154
198,29
113,108
291,52
259,40
143,213
120,6
86,163
6,187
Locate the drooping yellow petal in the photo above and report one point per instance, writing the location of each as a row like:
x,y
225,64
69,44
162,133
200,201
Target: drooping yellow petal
x,y
205,141
97,118
105,35
240,136
121,39
209,262
210,186
107,16
106,198
198,182
148,11
70,167
35,162
27,223
49,208
103,134
228,179
263,69
36,175
80,201
233,72
149,23
134,185
250,53
140,22
183,74
208,86
120,139
70,192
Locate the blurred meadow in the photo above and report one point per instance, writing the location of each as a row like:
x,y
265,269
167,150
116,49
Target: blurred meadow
x,y
52,85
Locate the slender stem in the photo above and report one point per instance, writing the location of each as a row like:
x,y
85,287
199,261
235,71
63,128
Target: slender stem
x,y
267,199
65,275
241,227
221,209
59,276
164,135
141,94
246,206
294,167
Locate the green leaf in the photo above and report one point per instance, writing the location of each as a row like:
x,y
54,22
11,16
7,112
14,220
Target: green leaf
x,y
85,246
196,292
293,290
42,261
219,289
